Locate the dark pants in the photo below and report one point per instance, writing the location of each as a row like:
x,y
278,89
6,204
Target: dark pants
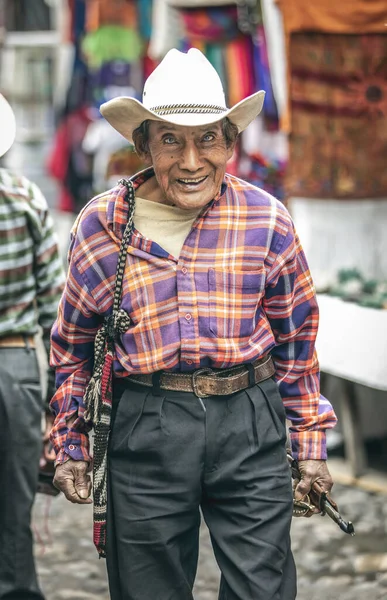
x,y
174,454
21,443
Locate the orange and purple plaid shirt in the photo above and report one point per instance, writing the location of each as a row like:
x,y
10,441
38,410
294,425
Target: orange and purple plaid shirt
x,y
241,288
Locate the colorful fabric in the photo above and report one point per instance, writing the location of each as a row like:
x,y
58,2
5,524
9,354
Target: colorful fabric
x,y
31,272
263,79
108,12
330,16
210,24
240,289
239,69
112,42
267,174
69,164
144,15
338,100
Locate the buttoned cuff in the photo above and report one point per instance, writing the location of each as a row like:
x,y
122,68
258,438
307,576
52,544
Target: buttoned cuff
x,y
74,449
309,445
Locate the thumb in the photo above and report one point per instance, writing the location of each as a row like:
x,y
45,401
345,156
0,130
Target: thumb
x,y
82,485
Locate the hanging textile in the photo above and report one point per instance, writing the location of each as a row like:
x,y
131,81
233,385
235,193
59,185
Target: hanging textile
x,y
338,101
263,78
330,16
239,69
214,31
69,164
333,16
111,12
112,42
144,17
210,24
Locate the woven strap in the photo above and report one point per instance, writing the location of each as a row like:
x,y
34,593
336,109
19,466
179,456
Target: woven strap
x,y
98,395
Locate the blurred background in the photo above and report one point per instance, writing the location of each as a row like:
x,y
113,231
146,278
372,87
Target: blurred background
x,y
320,146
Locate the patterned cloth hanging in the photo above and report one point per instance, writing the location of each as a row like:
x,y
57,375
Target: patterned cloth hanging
x,y
338,96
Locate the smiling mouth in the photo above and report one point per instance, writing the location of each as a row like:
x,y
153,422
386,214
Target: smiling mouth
x,y
191,182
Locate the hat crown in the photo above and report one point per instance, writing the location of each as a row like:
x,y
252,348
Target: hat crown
x,y
7,126
184,79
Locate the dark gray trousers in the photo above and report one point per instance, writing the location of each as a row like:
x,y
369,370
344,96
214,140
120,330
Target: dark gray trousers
x,y
173,454
20,447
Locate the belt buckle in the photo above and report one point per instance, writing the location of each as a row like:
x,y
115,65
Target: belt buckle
x,y
195,374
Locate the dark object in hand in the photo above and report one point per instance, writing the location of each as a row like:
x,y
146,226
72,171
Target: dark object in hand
x,y
319,498
45,484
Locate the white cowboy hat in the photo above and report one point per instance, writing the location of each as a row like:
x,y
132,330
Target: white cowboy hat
x,y
184,89
7,126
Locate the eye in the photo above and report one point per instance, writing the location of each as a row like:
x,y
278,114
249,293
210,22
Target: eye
x,y
169,139
208,137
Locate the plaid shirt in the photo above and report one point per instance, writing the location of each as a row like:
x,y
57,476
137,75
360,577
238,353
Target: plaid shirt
x,y
241,288
31,270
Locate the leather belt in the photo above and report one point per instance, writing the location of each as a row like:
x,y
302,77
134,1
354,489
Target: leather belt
x,y
17,341
207,382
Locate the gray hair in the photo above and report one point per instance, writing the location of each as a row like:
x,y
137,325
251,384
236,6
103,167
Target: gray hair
x,y
141,135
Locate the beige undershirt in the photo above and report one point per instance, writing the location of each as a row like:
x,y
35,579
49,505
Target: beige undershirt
x,y
166,225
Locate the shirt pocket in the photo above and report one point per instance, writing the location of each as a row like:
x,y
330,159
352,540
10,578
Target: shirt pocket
x,y
234,299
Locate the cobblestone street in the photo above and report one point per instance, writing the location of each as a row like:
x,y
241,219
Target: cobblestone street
x,y
331,565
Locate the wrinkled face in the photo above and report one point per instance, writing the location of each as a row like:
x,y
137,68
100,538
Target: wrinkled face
x,y
189,163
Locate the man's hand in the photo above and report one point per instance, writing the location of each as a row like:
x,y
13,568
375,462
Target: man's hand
x,y
312,471
73,480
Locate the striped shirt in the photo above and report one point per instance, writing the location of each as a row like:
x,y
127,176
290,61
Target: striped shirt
x,y
31,270
241,288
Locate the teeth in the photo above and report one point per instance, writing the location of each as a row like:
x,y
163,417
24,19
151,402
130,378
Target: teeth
x,y
192,180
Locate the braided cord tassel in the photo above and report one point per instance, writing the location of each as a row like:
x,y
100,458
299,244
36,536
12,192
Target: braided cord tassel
x,y
99,393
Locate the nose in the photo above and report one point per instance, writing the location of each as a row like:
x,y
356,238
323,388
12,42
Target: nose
x,y
190,158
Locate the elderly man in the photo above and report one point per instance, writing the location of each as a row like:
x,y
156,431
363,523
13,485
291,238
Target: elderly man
x,y
215,348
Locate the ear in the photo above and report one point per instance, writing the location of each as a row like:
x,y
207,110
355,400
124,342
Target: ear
x,y
143,154
231,148
146,159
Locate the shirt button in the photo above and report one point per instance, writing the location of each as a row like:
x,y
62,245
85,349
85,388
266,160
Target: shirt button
x,y
184,271
188,317
189,361
72,447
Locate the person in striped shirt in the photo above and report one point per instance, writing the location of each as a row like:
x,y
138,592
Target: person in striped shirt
x,y
31,283
212,342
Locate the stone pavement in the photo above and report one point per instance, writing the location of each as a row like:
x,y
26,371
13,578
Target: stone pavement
x,y
331,565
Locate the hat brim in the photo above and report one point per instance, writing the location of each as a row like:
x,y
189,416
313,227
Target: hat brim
x,y
8,126
125,114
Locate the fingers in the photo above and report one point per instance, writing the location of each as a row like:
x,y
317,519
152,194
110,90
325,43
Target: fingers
x,y
303,488
73,480
82,486
312,472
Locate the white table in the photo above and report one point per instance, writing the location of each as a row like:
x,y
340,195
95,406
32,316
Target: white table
x,y
352,344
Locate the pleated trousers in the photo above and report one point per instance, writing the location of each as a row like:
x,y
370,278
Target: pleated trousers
x,y
174,457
